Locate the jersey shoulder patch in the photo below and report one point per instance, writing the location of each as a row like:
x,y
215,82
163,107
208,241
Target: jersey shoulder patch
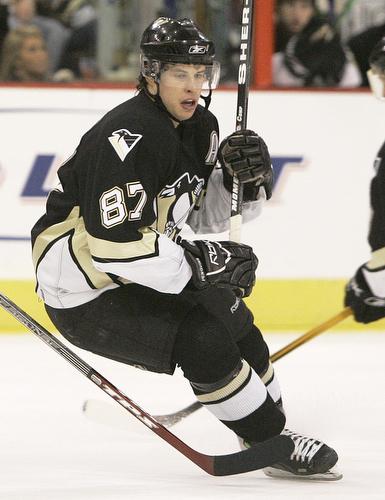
x,y
212,152
123,141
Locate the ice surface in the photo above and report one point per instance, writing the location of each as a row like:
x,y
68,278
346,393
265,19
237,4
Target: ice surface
x,y
333,389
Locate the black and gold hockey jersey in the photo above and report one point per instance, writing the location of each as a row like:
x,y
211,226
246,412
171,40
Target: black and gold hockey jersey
x,y
123,196
377,201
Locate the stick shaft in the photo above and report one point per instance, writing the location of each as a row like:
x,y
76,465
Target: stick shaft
x,y
312,333
244,72
203,461
262,455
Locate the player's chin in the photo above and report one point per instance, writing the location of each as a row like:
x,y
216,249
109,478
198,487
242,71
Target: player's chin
x,y
185,114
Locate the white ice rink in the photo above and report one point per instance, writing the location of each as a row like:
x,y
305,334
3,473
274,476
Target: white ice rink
x,y
333,388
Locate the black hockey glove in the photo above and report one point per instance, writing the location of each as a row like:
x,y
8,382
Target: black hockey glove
x,y
366,306
245,154
223,264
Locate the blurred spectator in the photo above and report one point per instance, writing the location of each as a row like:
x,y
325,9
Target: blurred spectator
x,y
220,18
80,50
225,26
23,13
356,16
51,8
3,22
24,56
361,46
309,51
72,13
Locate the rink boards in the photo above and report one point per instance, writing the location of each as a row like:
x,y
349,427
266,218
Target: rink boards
x,y
311,236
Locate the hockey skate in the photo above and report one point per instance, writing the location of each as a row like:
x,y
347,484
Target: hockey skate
x,y
311,460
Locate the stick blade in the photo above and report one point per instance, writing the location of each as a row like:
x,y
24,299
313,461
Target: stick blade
x,y
260,455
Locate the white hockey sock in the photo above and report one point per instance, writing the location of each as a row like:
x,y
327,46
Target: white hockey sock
x,y
240,397
272,385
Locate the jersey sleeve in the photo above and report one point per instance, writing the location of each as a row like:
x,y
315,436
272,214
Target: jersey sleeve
x,y
214,210
120,183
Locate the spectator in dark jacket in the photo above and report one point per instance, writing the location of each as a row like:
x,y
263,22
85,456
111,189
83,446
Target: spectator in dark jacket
x,y
3,23
361,46
309,51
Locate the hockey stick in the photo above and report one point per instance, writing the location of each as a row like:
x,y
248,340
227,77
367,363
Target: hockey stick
x,y
241,112
257,457
334,320
103,412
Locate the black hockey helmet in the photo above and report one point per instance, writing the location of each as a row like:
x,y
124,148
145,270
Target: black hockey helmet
x,y
177,41
376,73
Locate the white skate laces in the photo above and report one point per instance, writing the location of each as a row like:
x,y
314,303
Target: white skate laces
x,y
304,447
311,460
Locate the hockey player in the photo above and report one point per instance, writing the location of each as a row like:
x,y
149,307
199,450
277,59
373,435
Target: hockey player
x,y
116,277
365,292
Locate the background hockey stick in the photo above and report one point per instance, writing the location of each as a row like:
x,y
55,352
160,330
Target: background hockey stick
x,y
105,413
312,333
257,457
244,72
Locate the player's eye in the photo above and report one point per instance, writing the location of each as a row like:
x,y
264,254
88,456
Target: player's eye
x,y
180,76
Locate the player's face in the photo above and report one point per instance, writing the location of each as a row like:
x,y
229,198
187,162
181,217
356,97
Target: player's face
x,y
180,86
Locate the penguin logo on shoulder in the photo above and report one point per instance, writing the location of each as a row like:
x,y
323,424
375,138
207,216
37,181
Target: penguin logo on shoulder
x,y
123,141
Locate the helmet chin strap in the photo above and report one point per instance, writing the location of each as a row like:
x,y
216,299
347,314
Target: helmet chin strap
x,y
207,99
160,104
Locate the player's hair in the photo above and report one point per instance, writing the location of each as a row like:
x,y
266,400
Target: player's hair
x,y
142,84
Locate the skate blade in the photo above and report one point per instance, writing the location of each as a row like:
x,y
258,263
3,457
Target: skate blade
x,y
330,475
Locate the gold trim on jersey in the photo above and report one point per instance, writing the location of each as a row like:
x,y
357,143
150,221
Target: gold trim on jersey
x,y
82,252
377,260
79,247
110,250
163,208
53,233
